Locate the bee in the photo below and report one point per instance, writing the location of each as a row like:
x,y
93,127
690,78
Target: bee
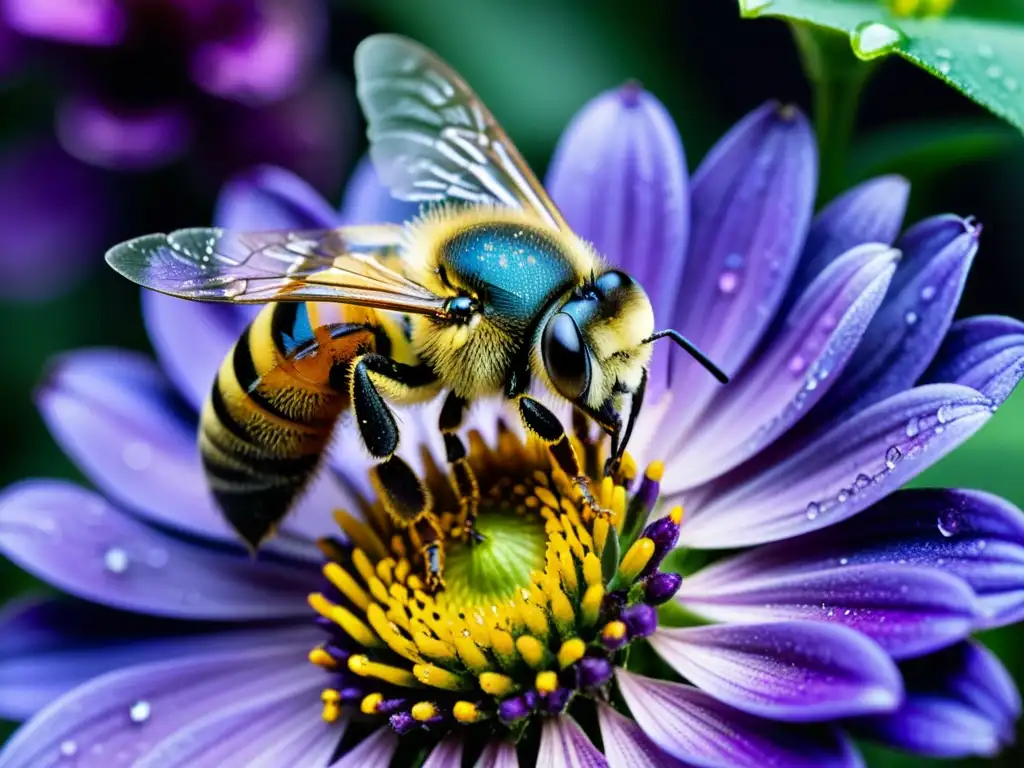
x,y
487,292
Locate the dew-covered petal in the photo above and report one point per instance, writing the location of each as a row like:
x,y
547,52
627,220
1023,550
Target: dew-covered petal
x,y
691,725
814,482
751,205
498,754
619,177
626,745
563,744
447,754
906,332
376,749
961,702
798,671
129,711
367,201
986,353
871,212
797,367
115,415
268,197
75,540
906,610
47,647
280,727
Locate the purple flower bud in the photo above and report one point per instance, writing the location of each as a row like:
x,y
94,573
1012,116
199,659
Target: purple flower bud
x,y
593,671
641,620
555,702
517,707
661,587
664,533
402,723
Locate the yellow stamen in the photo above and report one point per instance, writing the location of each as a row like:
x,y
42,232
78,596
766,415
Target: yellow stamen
x,y
332,705
345,619
434,649
532,650
546,497
370,702
534,618
360,534
363,667
676,515
343,580
387,632
423,710
434,676
636,560
601,526
378,590
590,606
565,617
496,684
465,712
592,570
322,658
613,630
384,571
474,659
571,652
546,682
655,471
362,565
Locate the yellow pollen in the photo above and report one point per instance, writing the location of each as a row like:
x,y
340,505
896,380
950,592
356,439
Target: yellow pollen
x,y
322,658
423,711
504,647
428,674
386,630
592,570
614,630
565,617
341,578
465,712
330,695
332,705
532,650
546,497
535,619
676,515
655,471
474,659
378,590
345,619
362,666
363,565
434,649
590,606
496,684
384,571
546,682
361,535
571,652
636,560
601,526
370,702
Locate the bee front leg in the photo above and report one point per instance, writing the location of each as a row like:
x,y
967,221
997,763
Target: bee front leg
x,y
541,422
462,477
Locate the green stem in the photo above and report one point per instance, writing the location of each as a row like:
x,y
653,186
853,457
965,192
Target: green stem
x,y
838,78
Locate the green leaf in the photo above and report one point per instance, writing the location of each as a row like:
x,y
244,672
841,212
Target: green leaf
x,y
978,48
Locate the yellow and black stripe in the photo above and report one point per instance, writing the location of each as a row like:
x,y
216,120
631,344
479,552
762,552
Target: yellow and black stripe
x,y
272,409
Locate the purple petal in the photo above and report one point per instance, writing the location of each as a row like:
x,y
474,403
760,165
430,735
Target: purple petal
x,y
191,339
836,473
751,201
376,749
986,353
960,702
563,744
871,212
907,331
76,541
268,197
498,754
367,201
798,671
266,61
114,414
691,725
619,177
55,218
123,139
280,727
78,22
48,647
133,709
447,754
906,610
626,745
811,349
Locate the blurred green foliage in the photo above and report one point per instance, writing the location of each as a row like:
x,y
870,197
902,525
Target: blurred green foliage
x,y
535,62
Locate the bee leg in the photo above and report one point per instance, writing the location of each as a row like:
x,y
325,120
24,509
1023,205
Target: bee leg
x,y
430,534
541,422
462,477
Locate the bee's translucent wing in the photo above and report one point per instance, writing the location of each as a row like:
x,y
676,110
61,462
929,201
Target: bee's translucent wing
x,y
346,265
431,138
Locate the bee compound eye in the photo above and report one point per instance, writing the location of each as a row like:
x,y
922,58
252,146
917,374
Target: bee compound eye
x,y
566,359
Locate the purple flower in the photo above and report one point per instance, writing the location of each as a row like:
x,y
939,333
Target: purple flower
x,y
844,590
153,80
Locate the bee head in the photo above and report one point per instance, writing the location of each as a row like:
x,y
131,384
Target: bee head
x,y
593,348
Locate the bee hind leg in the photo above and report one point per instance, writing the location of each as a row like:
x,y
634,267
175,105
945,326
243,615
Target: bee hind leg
x,y
462,477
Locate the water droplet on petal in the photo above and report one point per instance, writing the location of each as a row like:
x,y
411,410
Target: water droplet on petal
x,y
928,293
940,429
944,414
728,282
115,560
894,455
140,711
68,748
862,482
949,523
812,384
813,510
910,318
873,39
843,495
843,560
913,427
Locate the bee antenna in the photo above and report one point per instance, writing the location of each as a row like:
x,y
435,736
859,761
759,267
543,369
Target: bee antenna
x,y
692,350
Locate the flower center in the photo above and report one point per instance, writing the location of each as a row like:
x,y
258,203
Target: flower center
x,y
532,617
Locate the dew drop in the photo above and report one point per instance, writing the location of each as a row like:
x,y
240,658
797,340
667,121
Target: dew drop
x,y
754,7
944,414
913,427
910,318
862,482
68,748
843,496
944,67
939,429
813,510
949,523
872,39
928,293
811,385
994,71
843,560
797,364
140,711
728,282
894,455
846,612
115,560
137,455
1010,84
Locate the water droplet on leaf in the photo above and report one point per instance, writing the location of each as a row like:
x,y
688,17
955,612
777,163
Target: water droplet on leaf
x,y
944,67
873,39
994,71
754,7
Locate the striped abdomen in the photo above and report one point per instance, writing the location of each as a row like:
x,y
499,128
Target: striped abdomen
x,y
272,410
